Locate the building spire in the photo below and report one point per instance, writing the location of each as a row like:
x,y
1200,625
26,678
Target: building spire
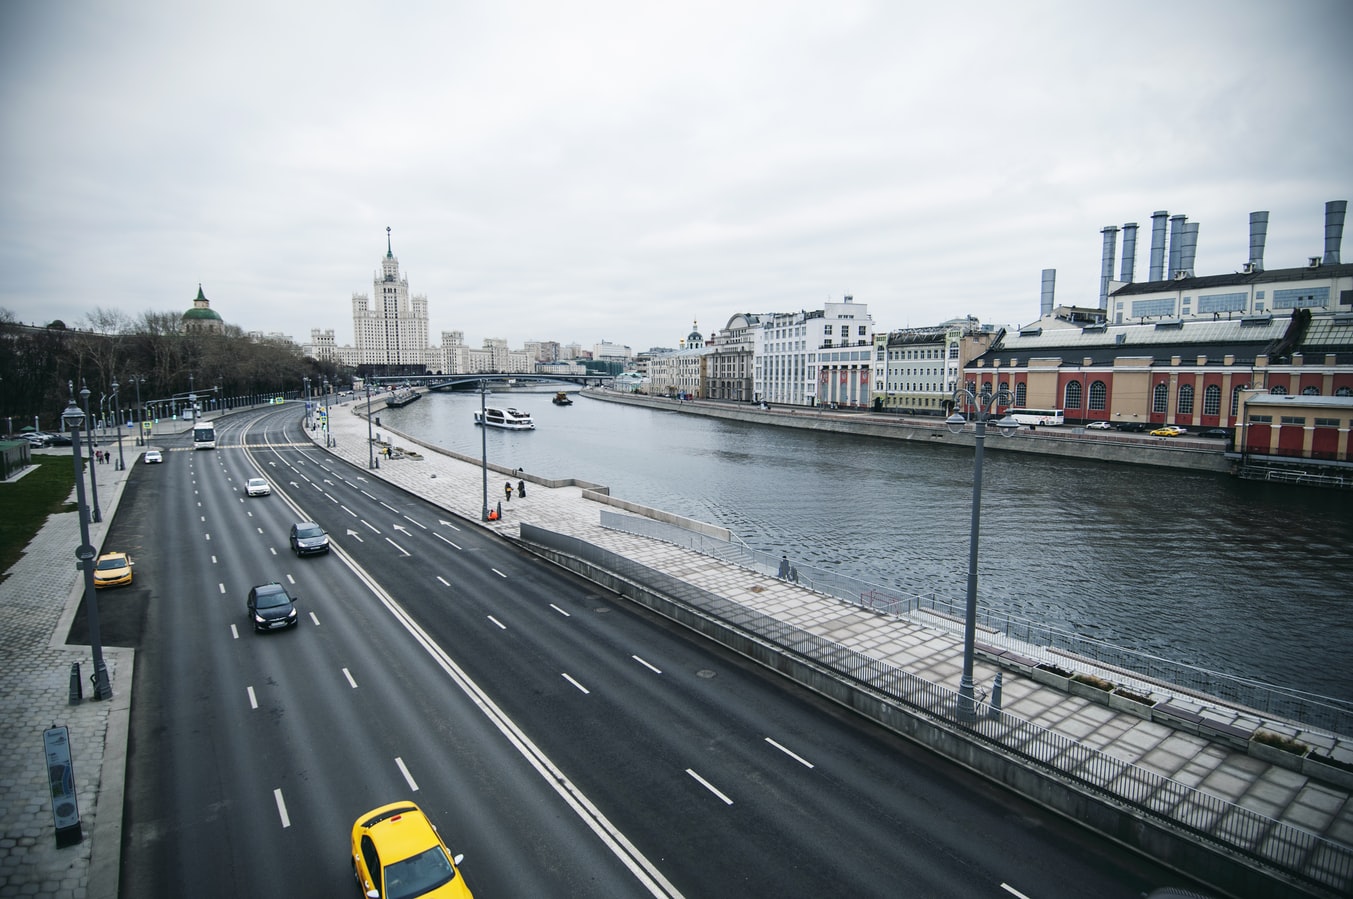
x,y
389,253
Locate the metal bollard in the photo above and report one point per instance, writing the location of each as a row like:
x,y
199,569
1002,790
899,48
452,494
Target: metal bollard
x,y
77,689
995,710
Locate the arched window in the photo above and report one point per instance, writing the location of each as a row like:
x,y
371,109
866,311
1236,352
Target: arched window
x,y
1311,391
1212,400
1185,399
1344,391
1279,391
1021,393
1099,396
1073,395
1235,401
1160,399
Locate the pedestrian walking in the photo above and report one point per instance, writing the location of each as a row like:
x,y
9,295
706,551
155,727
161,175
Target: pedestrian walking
x,y
507,489
521,489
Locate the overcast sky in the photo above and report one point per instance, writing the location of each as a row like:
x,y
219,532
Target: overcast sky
x,y
586,171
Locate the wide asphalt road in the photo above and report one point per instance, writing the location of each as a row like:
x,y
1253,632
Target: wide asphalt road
x,y
567,743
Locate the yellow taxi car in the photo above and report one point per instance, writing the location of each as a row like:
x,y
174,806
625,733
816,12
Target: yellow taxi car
x,y
1167,431
112,570
398,854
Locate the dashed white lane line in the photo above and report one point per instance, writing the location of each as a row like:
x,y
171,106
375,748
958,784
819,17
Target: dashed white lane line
x,y
709,786
575,683
1012,891
253,700
408,778
497,622
560,611
650,667
449,543
445,582
348,674
281,808
794,755
497,572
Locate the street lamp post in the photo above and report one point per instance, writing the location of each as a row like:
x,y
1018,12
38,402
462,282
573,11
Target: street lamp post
x,y
982,406
484,443
117,412
306,383
73,418
96,513
140,411
370,445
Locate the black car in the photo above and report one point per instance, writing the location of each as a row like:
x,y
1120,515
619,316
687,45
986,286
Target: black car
x,y
308,538
1216,432
271,607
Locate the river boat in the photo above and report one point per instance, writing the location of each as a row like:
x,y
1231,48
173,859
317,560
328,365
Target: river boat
x,y
509,418
561,399
402,398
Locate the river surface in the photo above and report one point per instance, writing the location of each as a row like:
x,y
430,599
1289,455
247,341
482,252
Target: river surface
x,y
1242,577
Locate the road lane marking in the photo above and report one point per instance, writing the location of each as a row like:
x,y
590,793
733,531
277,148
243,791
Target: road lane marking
x,y
221,587
281,808
410,520
398,547
444,540
794,755
497,572
449,524
575,683
260,530
497,622
445,582
349,511
388,506
253,700
370,525
213,559
1012,891
291,580
652,668
234,632
407,776
348,674
709,786
560,611
314,618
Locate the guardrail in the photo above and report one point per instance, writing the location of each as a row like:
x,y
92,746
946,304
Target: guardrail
x,y
1317,712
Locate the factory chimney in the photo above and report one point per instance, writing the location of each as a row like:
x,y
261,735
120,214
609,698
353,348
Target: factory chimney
x,y
1129,252
1258,234
1176,242
1110,233
1334,229
1188,247
1049,287
1158,244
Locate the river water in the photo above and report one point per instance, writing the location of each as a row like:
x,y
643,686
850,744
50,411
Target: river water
x,y
1247,578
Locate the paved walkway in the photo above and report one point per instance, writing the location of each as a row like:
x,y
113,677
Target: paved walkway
x,y
42,591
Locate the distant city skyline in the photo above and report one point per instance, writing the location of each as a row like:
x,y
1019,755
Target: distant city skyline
x,y
614,171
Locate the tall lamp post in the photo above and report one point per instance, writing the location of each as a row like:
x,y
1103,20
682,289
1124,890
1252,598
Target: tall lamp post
x,y
73,418
140,411
306,384
96,514
117,412
371,461
484,443
982,406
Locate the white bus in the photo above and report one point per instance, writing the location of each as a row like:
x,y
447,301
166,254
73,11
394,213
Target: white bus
x,y
1037,416
204,435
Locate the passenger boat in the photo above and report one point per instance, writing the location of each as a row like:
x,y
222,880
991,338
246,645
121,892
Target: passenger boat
x,y
402,398
512,419
561,399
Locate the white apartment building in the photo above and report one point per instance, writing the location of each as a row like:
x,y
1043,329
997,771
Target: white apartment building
x,y
391,330
917,370
822,357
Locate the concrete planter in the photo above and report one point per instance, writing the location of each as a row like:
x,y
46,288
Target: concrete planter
x,y
1051,677
1320,769
1121,703
1088,691
1275,756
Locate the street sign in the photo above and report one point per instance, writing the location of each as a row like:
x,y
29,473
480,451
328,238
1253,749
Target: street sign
x,y
61,779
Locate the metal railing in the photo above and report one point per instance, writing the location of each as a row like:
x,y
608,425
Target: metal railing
x,y
1208,818
1028,637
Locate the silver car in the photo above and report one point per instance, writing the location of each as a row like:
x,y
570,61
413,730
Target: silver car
x,y
258,487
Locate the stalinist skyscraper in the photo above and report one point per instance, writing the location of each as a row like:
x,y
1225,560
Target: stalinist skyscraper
x,y
393,332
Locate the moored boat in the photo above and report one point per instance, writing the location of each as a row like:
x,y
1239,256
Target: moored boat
x,y
402,398
562,399
509,418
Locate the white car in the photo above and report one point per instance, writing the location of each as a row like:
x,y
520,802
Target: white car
x,y
1098,426
152,456
257,487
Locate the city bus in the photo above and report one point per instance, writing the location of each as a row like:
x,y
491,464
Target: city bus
x,y
204,435
1037,416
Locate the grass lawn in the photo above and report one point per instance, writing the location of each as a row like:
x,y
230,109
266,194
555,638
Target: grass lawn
x,y
26,503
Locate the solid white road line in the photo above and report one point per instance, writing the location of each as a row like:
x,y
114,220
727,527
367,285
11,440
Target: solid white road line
x,y
709,786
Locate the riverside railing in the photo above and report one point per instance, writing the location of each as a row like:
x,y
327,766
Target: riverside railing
x,y
1319,712
1208,818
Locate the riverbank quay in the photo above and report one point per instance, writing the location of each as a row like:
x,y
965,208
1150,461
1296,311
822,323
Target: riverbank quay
x,y
1188,788
1194,454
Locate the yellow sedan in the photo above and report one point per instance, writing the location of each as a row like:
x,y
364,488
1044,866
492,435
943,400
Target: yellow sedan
x,y
1167,431
398,854
112,570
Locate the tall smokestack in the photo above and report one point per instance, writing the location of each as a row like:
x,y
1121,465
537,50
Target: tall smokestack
x,y
1110,233
1188,246
1049,287
1334,229
1176,227
1129,252
1158,244
1258,234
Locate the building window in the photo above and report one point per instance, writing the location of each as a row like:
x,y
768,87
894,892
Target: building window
x,y
1261,419
1311,391
1212,400
1160,400
1344,391
1186,399
1099,396
1021,393
1073,395
1279,391
1327,422
1294,419
1235,401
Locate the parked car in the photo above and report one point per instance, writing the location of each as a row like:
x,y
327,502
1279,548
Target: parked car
x,y
112,570
1167,431
1133,427
1098,426
152,456
308,538
397,851
257,487
270,606
1216,432
58,440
